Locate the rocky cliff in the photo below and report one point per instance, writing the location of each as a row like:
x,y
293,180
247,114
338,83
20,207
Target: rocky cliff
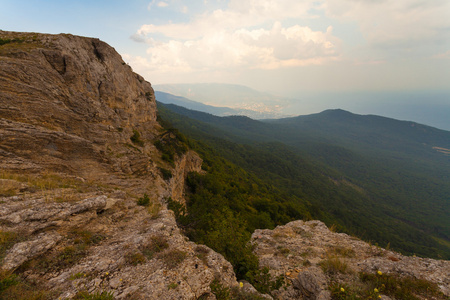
x,y
82,194
86,171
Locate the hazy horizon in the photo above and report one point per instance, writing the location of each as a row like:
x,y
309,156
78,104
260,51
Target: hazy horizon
x,y
287,48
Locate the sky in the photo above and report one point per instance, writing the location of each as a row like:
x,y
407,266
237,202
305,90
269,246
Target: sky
x,y
285,47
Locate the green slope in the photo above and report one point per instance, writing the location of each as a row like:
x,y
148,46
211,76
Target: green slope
x,y
353,170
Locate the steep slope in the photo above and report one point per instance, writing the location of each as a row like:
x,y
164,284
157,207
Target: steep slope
x,y
68,102
83,189
376,190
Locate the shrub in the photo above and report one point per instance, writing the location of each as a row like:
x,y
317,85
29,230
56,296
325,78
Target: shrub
x,y
173,258
144,201
166,174
157,244
221,292
136,138
134,258
402,288
263,282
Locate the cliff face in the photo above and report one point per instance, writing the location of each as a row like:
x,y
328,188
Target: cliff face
x,y
69,103
82,197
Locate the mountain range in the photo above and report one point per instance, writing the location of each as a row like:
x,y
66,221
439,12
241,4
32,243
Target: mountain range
x,y
426,107
397,171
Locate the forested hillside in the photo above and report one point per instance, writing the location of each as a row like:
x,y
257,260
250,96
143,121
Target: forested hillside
x,y
383,180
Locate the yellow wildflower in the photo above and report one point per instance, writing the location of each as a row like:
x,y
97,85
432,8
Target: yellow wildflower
x,y
380,273
241,284
342,290
375,290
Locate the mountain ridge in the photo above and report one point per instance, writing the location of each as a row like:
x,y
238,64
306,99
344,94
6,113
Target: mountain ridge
x,y
367,166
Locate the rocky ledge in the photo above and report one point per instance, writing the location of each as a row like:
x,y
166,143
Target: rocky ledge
x,y
318,263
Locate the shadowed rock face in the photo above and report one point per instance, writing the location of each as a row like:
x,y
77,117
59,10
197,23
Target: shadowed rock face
x,y
64,99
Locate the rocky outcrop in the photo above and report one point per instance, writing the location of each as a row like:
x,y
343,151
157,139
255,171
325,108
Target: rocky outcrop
x,y
189,162
77,132
312,258
71,104
107,243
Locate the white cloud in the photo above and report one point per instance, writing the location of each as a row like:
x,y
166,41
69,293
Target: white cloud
x,y
162,4
400,24
239,36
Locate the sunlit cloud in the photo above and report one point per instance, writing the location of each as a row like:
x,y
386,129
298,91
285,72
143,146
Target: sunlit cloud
x,y
401,24
240,37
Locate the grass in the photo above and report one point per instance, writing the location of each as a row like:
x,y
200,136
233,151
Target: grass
x,y
202,252
135,258
332,265
402,288
94,296
173,258
372,286
7,240
172,286
70,186
156,245
14,287
77,245
341,251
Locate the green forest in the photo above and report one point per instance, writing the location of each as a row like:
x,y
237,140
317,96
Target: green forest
x,y
263,174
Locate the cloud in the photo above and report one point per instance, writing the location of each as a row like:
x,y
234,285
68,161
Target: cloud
x,y
402,24
248,34
162,4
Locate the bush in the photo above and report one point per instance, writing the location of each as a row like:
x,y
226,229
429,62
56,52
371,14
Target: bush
x,y
173,258
144,201
157,244
166,174
262,280
134,258
136,138
221,292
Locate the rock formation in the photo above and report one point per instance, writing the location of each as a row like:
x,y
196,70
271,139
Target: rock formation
x,y
77,132
313,258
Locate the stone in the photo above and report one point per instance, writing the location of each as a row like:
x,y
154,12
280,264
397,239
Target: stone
x,y
23,251
312,283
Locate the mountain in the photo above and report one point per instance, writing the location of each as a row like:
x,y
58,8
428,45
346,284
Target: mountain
x,y
167,98
241,99
101,198
397,172
83,188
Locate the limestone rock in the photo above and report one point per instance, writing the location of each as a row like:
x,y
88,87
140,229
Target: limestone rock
x,y
70,104
21,252
312,284
298,248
